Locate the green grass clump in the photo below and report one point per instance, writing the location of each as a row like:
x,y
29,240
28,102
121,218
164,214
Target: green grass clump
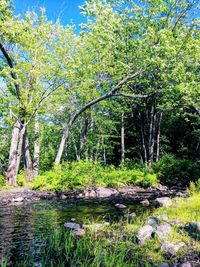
x,y
82,174
185,209
2,181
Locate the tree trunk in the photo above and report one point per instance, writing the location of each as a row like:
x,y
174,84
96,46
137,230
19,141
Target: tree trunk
x,y
122,139
28,166
158,138
19,150
151,137
97,150
36,156
11,176
104,151
64,139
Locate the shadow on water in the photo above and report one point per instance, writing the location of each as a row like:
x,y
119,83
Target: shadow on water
x,y
24,228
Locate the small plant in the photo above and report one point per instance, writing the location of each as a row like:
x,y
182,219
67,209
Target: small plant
x,y
2,181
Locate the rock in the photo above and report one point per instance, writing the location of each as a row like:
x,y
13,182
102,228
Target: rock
x,y
180,194
106,192
194,226
186,264
18,199
163,217
72,226
79,232
145,202
63,197
160,187
153,221
163,230
144,233
171,248
72,219
164,264
130,215
163,201
120,206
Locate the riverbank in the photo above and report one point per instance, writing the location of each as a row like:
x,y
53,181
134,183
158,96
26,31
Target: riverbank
x,y
135,193
164,237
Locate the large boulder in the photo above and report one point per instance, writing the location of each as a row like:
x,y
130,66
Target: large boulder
x,y
171,248
106,192
163,201
144,233
163,230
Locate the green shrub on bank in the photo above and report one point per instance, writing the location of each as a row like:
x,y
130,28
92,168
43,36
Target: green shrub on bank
x,y
2,181
172,170
82,174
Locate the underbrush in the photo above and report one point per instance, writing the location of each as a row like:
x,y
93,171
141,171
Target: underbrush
x,y
82,174
172,170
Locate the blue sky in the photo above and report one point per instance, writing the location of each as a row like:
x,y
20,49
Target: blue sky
x,y
66,10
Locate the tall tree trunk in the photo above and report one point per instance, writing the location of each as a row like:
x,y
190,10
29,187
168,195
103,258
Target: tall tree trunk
x,y
11,176
28,166
122,139
36,156
104,151
19,149
97,150
64,139
151,136
158,137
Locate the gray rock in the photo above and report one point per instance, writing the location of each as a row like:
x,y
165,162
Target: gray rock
x,y
163,217
72,219
163,201
171,248
18,199
145,202
72,226
186,264
106,192
144,233
153,221
79,232
164,264
120,206
163,230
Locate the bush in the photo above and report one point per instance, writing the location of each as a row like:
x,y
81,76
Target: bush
x,y
2,181
82,174
172,170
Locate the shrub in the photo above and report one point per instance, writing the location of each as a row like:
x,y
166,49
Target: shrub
x,y
82,174
172,170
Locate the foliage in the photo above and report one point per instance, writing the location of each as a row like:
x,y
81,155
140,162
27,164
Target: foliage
x,y
2,181
79,175
172,170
